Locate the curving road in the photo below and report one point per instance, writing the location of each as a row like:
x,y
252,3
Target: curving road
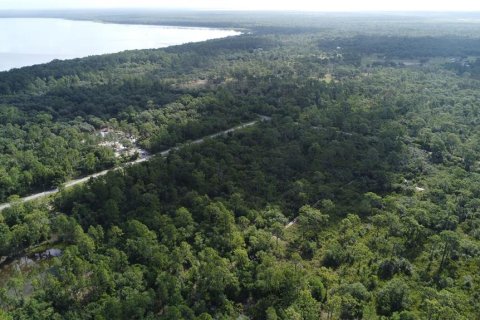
x,y
72,183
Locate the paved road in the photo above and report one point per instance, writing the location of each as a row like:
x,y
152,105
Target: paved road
x,y
143,159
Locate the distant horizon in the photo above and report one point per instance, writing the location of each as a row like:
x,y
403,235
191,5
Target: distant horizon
x,y
237,11
339,6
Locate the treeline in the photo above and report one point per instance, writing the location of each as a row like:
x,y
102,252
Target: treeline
x,y
167,63
406,47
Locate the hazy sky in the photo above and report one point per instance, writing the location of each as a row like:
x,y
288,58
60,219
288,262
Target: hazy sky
x,y
300,5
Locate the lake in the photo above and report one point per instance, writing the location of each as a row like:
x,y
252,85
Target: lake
x,y
29,41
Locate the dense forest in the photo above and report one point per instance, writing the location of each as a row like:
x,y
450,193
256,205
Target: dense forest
x,y
358,199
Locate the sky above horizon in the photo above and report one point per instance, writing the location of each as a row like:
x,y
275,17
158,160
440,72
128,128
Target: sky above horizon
x,y
298,5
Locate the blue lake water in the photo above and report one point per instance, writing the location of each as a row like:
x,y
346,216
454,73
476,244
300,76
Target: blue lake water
x,y
29,41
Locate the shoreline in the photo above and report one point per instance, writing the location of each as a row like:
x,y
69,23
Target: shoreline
x,y
231,33
155,25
